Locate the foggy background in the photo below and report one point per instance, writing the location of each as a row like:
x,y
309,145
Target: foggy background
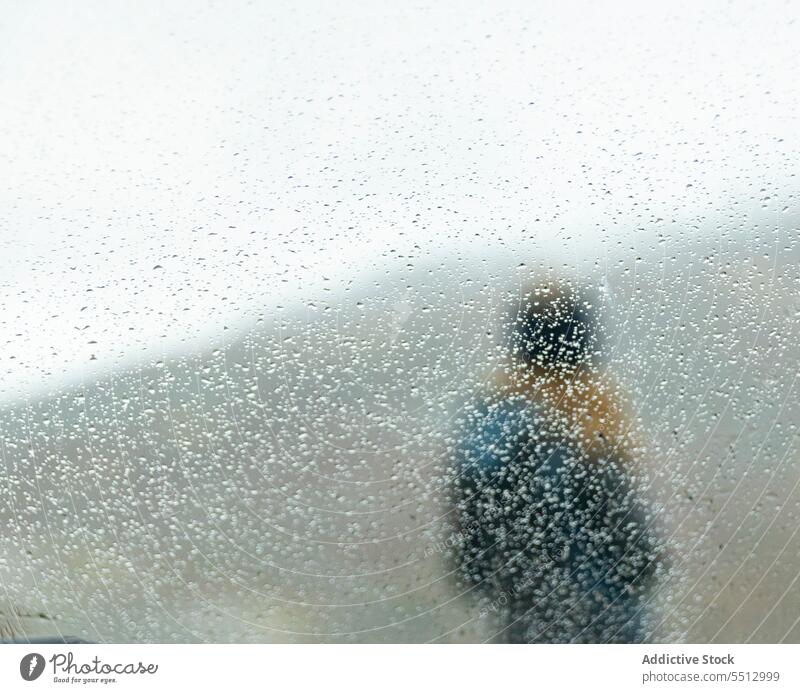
x,y
255,257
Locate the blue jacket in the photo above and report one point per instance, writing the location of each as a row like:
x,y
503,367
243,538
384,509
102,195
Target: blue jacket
x,y
553,536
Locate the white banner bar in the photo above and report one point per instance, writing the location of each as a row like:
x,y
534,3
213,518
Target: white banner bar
x,y
401,668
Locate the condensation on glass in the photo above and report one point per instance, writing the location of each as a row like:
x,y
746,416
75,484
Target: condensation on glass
x,y
261,270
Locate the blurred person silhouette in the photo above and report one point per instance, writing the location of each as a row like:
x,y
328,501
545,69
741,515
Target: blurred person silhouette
x,y
550,528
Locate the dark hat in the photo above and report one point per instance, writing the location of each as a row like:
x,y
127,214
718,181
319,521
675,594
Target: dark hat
x,y
554,325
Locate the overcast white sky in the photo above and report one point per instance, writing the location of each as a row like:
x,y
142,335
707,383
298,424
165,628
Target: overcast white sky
x,y
166,173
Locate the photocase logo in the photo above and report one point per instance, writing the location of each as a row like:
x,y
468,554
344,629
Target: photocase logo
x,y
31,666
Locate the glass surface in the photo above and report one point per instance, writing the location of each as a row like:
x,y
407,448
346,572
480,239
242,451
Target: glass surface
x,y
259,264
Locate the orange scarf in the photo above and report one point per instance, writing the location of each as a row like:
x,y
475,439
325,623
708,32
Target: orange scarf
x,y
591,407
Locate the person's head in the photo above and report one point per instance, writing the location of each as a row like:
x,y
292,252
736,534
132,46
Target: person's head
x,y
554,325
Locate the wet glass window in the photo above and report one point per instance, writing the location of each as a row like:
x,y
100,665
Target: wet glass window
x,y
399,323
